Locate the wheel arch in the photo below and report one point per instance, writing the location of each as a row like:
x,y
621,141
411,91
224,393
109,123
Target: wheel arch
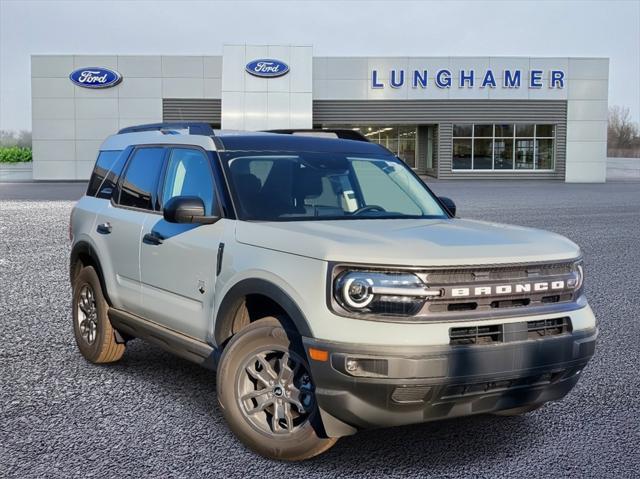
x,y
256,289
84,254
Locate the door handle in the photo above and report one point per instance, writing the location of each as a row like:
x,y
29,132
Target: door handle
x,y
104,228
153,238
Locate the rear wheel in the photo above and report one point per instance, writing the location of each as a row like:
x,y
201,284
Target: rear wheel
x,y
95,337
267,394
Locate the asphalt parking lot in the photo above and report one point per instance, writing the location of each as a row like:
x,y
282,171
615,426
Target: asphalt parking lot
x,y
154,415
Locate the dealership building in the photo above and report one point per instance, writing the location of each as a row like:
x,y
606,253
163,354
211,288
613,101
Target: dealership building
x,y
447,117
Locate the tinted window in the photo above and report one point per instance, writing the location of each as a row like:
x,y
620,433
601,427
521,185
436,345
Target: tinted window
x,y
462,130
104,165
141,178
544,131
483,131
189,174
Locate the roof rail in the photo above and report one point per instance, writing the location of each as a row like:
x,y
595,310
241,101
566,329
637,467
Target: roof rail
x,y
194,128
341,133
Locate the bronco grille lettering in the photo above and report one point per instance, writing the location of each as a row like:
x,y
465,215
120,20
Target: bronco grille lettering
x,y
507,289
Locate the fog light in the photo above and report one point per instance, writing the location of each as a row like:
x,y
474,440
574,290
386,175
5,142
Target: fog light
x,y
352,365
364,367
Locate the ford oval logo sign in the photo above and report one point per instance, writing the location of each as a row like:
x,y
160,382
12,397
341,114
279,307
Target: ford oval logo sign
x,y
268,68
95,77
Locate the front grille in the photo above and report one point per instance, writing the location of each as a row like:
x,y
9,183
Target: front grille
x,y
497,273
476,335
410,394
476,291
504,333
468,293
462,390
548,327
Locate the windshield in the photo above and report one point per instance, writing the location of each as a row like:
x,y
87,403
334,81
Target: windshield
x,y
323,186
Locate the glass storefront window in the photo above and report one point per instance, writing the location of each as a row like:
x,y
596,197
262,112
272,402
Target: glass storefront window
x,y
524,130
485,131
390,144
524,154
401,140
463,130
519,146
545,131
407,150
504,130
461,154
544,154
503,154
482,153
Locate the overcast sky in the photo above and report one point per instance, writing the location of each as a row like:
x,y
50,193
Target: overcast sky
x,y
393,28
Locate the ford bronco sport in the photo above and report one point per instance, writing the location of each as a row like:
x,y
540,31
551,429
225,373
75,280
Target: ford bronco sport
x,y
323,281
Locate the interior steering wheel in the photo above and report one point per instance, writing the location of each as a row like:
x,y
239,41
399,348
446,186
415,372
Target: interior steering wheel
x,y
368,208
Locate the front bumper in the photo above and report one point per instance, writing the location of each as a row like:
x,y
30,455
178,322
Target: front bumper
x,y
418,384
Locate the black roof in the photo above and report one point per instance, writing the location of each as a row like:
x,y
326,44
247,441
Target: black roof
x,y
347,141
194,127
260,141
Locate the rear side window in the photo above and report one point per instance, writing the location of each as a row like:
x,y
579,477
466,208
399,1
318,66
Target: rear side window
x,y
108,166
140,182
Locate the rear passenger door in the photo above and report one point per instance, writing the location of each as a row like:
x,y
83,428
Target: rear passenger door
x,y
119,224
178,265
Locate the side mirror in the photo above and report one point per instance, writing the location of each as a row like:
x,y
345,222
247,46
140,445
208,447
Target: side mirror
x,y
187,209
449,204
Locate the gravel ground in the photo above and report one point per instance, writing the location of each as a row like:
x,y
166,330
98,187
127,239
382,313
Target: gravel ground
x,y
155,415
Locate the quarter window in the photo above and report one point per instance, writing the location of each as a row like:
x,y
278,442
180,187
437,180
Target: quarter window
x,y
189,174
108,164
141,178
519,146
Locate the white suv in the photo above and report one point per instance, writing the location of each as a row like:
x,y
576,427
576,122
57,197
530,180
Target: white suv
x,y
329,288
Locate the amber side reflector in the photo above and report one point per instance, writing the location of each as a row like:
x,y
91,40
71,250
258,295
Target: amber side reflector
x,y
318,354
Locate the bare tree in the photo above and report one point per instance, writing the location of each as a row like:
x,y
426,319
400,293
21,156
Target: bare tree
x,y
622,132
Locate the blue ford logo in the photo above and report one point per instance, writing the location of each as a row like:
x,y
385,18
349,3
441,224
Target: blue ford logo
x,y
95,77
268,68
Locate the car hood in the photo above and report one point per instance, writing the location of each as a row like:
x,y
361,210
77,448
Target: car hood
x,y
437,242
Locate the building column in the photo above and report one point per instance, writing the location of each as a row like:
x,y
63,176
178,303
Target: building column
x,y
587,112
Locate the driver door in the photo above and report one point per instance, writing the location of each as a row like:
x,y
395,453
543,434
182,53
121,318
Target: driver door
x,y
178,261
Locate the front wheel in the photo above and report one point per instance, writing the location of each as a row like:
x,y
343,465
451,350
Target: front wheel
x,y
267,394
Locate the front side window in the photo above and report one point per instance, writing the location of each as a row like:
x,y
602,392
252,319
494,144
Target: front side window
x,y
140,182
189,174
316,186
518,146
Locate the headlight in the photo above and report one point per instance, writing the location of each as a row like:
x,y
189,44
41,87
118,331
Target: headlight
x,y
578,279
382,293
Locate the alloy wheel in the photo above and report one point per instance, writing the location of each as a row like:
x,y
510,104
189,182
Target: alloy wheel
x,y
275,391
87,314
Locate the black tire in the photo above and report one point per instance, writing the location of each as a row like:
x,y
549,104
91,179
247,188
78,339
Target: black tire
x,y
95,337
518,411
266,339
